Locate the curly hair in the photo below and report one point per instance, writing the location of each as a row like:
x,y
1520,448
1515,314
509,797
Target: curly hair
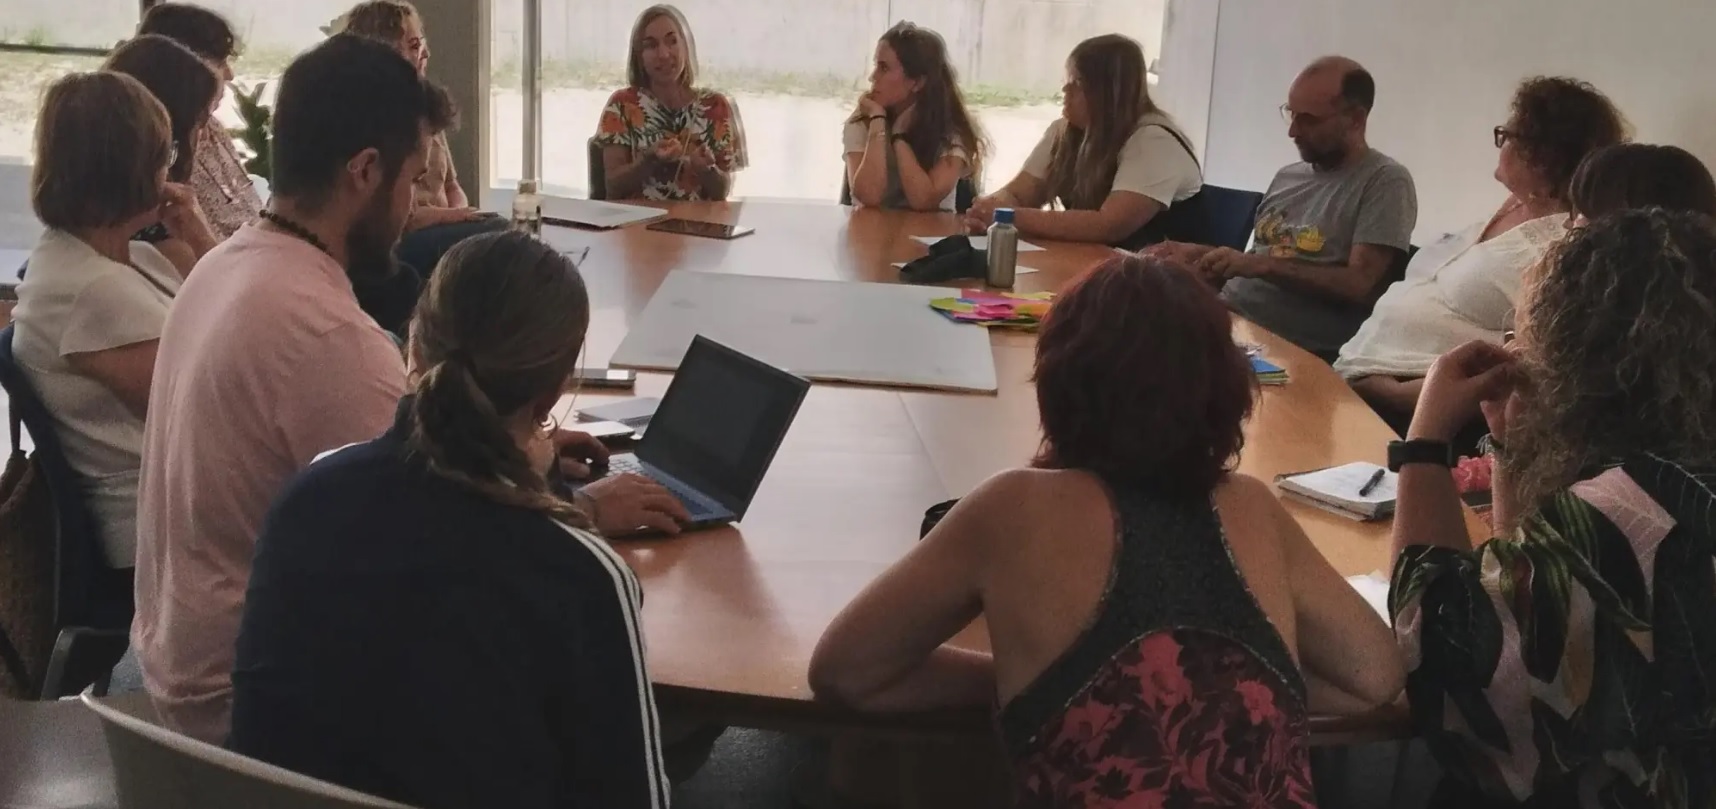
x,y
1139,380
1556,122
1616,337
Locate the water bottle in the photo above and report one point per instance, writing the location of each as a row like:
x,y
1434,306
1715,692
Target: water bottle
x,y
1003,250
527,209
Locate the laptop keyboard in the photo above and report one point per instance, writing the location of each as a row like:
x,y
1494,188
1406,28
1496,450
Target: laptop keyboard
x,y
624,464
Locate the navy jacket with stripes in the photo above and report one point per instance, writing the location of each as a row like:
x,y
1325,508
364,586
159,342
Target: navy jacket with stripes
x,y
407,637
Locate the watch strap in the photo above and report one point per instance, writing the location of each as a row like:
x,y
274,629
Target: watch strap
x,y
1402,453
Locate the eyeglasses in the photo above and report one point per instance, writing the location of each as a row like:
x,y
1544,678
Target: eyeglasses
x,y
1503,135
1303,119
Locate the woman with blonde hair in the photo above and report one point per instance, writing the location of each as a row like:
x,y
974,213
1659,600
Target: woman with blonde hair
x,y
1569,661
1115,163
911,140
662,137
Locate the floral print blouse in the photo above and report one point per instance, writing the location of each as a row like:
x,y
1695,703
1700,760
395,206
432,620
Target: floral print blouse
x,y
1575,663
224,190
635,119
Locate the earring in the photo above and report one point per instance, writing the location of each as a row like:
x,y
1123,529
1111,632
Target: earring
x,y
546,428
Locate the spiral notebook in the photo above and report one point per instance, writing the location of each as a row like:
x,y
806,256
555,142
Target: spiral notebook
x,y
1336,489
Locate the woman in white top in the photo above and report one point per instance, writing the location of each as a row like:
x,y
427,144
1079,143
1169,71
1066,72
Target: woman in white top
x,y
911,139
1114,161
91,307
1465,286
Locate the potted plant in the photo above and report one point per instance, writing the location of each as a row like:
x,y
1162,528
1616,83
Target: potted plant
x,y
254,132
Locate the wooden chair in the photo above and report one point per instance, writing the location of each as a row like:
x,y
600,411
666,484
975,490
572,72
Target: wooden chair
x,y
155,768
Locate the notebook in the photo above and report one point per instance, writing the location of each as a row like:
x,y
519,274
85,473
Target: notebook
x,y
1336,489
1268,373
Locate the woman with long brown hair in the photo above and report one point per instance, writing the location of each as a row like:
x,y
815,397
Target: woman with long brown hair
x,y
225,190
662,136
1569,660
437,566
911,139
187,88
1161,626
1114,163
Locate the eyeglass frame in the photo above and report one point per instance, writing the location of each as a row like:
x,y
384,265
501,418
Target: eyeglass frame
x,y
1288,115
1503,135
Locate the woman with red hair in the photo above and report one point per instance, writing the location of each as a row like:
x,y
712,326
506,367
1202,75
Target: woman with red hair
x,y
1161,626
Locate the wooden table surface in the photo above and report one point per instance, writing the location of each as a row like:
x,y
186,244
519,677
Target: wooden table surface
x,y
731,615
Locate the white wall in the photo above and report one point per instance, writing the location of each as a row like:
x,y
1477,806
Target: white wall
x,y
1445,71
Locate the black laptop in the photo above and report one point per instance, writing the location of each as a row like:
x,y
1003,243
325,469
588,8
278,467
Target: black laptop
x,y
716,431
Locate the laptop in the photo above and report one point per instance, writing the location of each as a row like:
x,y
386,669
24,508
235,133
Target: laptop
x,y
595,213
716,431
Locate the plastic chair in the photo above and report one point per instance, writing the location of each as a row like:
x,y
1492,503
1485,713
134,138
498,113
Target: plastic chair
x,y
92,602
155,768
598,171
1229,214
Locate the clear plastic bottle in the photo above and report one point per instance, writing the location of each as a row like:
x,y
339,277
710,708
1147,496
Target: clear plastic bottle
x,y
1003,251
527,209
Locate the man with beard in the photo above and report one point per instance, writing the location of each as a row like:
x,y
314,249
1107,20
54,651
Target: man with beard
x,y
267,361
1329,228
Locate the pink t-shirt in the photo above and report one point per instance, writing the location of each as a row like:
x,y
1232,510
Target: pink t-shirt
x,y
265,361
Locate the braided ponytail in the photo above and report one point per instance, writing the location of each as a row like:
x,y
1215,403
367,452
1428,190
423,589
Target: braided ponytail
x,y
500,326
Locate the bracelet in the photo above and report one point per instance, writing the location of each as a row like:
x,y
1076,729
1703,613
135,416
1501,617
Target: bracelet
x,y
875,118
1489,445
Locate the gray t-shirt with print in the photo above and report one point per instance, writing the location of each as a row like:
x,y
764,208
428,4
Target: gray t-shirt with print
x,y
1316,217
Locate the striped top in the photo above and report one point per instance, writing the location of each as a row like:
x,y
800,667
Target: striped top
x,y
409,638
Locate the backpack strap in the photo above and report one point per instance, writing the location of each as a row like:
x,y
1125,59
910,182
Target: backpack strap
x,y
1185,144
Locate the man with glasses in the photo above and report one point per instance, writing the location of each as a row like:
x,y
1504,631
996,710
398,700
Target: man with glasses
x,y
1329,228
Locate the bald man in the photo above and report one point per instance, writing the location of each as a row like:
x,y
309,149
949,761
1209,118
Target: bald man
x,y
1329,228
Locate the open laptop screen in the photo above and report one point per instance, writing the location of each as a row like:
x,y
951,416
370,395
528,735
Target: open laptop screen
x,y
721,422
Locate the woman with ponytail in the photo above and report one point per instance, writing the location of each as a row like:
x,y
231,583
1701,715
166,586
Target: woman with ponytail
x,y
428,620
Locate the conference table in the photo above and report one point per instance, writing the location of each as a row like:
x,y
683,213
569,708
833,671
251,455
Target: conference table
x,y
731,615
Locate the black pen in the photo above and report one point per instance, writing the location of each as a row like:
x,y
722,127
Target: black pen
x,y
1370,485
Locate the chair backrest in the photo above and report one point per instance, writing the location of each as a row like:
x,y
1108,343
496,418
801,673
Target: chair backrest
x,y
79,563
1229,215
155,768
598,172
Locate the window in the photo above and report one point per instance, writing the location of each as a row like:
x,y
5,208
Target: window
x,y
795,71
40,41
271,34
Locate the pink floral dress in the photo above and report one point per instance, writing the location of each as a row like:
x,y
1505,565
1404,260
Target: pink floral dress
x,y
1180,694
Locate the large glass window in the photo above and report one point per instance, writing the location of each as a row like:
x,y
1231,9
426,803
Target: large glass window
x,y
44,25
795,70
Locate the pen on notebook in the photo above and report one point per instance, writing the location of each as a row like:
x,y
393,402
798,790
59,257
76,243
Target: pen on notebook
x,y
1370,485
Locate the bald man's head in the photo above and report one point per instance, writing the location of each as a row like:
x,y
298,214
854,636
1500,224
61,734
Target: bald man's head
x,y
1348,78
1328,107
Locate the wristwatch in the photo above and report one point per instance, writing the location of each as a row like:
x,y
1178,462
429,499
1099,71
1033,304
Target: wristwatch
x,y
1401,453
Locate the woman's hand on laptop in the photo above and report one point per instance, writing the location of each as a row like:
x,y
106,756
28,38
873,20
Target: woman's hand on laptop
x,y
580,455
626,504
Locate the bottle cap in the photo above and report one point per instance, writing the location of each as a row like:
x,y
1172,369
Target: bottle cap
x,y
1003,216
